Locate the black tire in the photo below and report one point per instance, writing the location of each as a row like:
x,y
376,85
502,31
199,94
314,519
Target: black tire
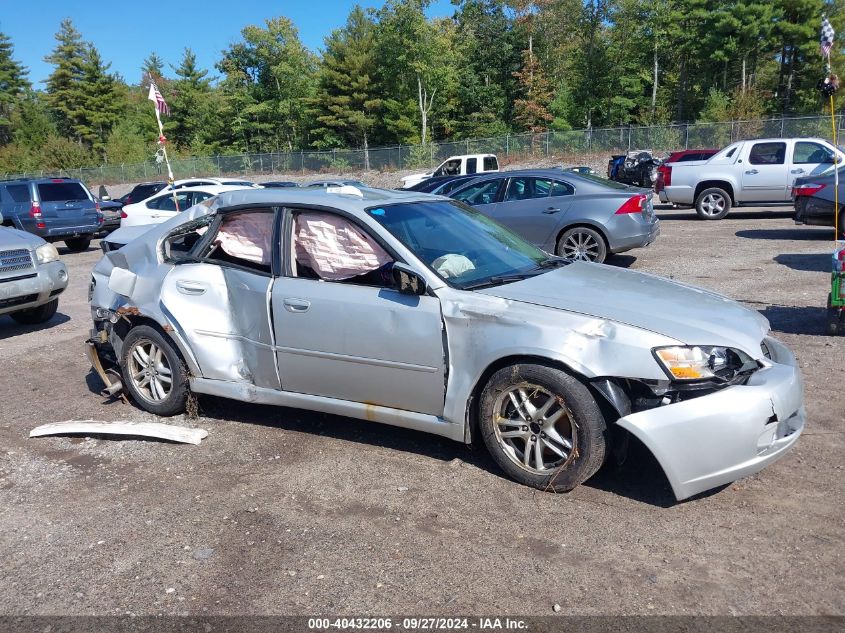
x,y
592,245
146,396
713,204
580,419
41,314
78,244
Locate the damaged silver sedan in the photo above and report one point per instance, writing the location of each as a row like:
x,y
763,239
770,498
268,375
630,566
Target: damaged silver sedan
x,y
417,311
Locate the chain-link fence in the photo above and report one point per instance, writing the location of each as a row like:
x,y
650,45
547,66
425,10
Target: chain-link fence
x,y
659,138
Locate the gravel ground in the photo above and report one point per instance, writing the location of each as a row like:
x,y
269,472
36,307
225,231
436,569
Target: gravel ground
x,y
281,511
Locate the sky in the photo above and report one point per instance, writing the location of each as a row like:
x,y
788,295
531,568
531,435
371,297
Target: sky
x,y
126,31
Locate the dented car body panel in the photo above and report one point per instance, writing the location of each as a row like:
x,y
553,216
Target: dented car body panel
x,y
418,361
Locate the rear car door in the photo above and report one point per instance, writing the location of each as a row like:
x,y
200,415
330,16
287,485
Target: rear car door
x,y
218,292
165,207
529,208
66,207
765,176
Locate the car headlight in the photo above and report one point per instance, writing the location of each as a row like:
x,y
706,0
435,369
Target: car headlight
x,y
46,253
703,362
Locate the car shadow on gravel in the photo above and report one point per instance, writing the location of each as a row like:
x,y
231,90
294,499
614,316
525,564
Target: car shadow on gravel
x,y
9,327
802,234
690,214
809,262
798,320
621,261
339,427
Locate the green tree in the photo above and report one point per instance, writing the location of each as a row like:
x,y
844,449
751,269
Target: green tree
x,y
347,102
269,82
189,104
153,66
102,104
64,95
13,84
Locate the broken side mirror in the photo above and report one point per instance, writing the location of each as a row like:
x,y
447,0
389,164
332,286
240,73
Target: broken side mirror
x,y
408,281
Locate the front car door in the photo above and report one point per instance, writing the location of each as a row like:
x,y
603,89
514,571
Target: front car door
x,y
809,158
765,175
342,331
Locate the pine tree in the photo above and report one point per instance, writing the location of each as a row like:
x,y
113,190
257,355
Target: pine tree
x,y
104,100
189,103
153,66
63,85
13,84
347,101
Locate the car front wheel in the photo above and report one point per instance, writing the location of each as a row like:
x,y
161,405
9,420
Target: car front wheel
x,y
582,243
41,314
542,427
153,372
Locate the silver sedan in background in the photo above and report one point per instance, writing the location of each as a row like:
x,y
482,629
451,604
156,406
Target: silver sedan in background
x,y
576,216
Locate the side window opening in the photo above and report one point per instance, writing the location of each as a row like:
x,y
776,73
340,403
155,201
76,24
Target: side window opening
x,y
245,239
767,154
181,244
18,193
490,163
472,165
329,247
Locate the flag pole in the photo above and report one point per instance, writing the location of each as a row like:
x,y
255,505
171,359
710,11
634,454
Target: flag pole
x,y
162,142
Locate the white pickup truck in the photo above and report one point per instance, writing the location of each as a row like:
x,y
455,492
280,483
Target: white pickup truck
x,y
457,166
761,171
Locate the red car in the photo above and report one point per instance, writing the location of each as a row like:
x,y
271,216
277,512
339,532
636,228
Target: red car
x,y
664,172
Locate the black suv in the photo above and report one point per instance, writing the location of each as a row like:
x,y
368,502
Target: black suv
x,y
53,208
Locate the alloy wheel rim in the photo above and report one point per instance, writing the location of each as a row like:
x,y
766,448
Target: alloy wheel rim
x,y
534,428
150,372
713,204
581,246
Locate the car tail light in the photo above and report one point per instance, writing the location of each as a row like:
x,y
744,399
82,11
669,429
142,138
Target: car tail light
x,y
123,215
667,175
633,204
807,189
96,205
664,177
35,214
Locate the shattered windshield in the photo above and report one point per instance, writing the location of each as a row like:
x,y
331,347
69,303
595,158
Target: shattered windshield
x,y
465,248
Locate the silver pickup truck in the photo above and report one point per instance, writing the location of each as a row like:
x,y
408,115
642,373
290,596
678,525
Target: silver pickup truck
x,y
761,171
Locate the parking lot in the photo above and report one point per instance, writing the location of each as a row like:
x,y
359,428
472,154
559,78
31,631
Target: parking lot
x,y
281,511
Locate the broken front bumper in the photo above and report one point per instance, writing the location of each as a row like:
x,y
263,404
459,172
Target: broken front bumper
x,y
715,439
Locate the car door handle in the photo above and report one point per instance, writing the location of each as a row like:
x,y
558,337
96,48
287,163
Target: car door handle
x,y
193,288
551,210
798,171
296,305
752,171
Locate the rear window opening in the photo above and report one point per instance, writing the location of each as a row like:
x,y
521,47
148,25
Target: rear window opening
x,y
61,191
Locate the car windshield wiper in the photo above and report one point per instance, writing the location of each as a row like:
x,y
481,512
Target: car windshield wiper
x,y
498,280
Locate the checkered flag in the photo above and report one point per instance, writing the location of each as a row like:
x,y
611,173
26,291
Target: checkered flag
x,y
826,37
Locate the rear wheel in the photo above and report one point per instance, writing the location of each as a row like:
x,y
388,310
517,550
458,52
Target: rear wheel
x,y
153,372
78,244
712,204
582,243
41,314
542,427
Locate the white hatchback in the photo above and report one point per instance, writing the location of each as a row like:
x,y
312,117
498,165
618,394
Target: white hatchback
x,y
167,203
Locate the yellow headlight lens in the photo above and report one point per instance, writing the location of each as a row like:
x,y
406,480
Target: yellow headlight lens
x,y
46,253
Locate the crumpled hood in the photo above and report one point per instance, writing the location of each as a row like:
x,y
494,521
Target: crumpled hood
x,y
13,239
685,313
